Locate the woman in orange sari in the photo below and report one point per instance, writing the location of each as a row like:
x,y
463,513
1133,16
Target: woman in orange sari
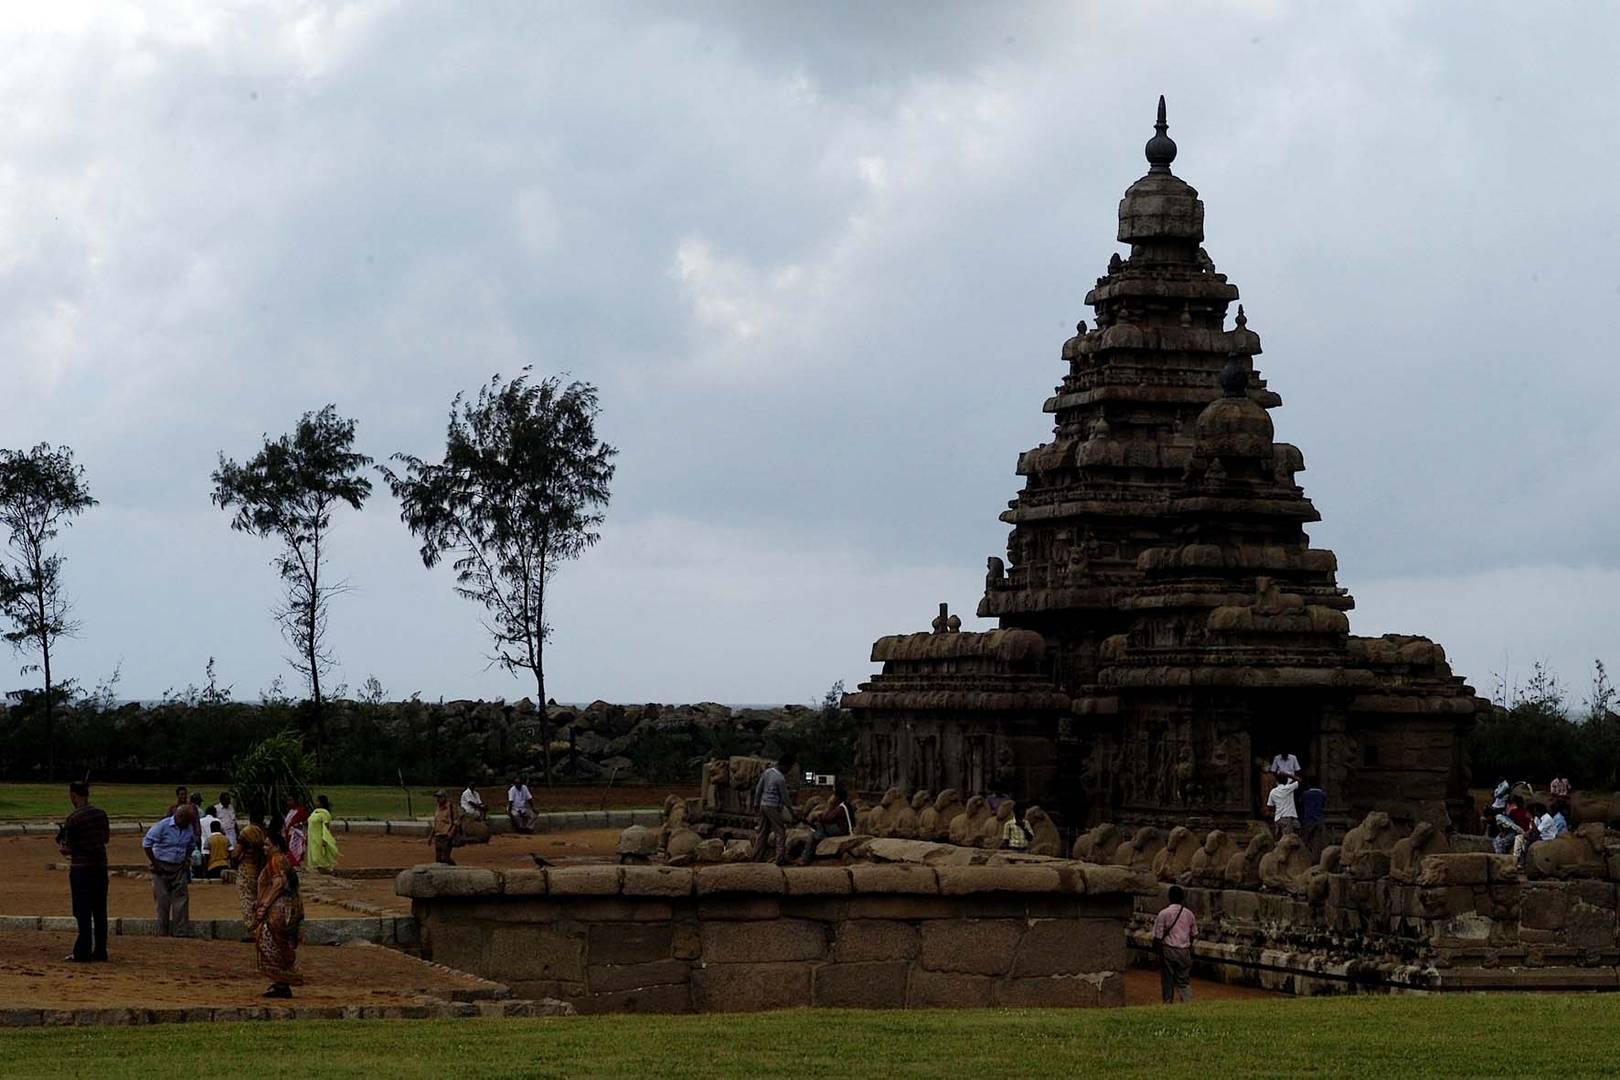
x,y
248,858
278,920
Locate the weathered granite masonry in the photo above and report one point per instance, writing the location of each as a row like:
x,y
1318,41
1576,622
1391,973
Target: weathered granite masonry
x,y
1165,623
750,936
1456,921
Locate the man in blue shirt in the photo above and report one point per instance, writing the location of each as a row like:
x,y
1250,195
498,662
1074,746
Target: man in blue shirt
x,y
168,847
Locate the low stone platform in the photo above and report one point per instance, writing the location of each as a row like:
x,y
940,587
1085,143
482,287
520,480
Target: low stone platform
x,y
748,936
397,931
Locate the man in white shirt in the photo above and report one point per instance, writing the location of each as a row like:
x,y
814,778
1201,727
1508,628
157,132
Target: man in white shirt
x,y
520,806
472,803
1285,764
225,813
1284,808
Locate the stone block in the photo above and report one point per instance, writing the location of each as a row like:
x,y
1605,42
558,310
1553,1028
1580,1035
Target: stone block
x,y
751,987
523,882
870,985
773,941
1111,990
1050,992
629,943
327,931
736,907
817,881
1503,868
948,990
427,882
973,946
1070,947
612,978
820,908
583,881
657,881
1238,905
860,940
537,989
740,878
619,909
1595,893
1590,928
1444,870
962,880
531,953
888,906
454,945
66,924
1118,879
664,998
894,879
686,939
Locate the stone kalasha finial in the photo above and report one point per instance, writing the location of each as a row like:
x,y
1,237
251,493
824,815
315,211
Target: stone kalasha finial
x,y
1242,320
1234,380
1161,149
945,622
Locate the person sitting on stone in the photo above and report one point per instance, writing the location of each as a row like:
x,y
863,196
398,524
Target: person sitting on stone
x,y
520,806
1547,827
838,819
1282,804
472,803
1559,789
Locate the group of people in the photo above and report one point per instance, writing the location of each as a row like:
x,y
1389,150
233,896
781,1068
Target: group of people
x,y
1513,826
452,821
191,841
774,801
1297,803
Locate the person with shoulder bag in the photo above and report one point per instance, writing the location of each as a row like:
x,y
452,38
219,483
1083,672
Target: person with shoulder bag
x,y
1173,932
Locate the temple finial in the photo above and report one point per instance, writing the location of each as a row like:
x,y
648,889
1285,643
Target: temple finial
x,y
1161,149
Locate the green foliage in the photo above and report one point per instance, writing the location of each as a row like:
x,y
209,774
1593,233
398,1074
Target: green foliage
x,y
287,492
272,771
41,491
520,491
1530,734
824,741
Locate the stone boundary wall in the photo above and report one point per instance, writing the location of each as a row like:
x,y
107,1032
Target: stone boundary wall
x,y
557,821
125,1017
1462,922
746,937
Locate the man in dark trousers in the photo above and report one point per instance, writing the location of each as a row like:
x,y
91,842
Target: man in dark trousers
x,y
83,839
1173,934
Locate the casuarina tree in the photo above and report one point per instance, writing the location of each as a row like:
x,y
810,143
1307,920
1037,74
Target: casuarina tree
x,y
287,492
41,491
521,490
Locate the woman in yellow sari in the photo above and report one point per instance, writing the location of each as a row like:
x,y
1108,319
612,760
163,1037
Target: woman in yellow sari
x,y
323,849
248,859
278,921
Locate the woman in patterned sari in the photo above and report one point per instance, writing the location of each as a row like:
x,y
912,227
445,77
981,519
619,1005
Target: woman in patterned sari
x,y
248,859
278,920
295,832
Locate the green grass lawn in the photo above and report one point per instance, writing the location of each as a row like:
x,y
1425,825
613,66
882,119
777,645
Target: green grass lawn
x,y
144,802
1385,1036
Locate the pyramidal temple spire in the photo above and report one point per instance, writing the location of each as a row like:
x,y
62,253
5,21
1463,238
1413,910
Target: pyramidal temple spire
x,y
1161,149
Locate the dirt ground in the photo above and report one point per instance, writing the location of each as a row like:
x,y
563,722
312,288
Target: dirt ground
x,y
1142,988
183,973
33,888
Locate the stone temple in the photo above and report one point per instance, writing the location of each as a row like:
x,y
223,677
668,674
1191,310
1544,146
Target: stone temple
x,y
1165,624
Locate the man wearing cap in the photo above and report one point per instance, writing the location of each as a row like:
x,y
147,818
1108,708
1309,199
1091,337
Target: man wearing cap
x,y
445,827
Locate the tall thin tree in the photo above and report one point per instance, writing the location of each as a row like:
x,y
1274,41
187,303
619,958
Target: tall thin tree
x,y
287,491
521,490
41,491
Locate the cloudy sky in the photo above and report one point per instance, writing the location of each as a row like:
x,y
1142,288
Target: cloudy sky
x,y
820,260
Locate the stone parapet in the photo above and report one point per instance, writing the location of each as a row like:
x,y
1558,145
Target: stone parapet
x,y
750,936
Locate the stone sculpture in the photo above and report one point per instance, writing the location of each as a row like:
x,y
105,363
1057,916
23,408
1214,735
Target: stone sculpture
x,y
966,825
935,823
1208,863
1138,851
990,830
1284,867
907,819
881,822
1243,868
1176,857
1579,854
1406,855
1046,840
1098,844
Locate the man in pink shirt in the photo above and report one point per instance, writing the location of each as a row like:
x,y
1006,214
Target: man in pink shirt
x,y
1173,933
